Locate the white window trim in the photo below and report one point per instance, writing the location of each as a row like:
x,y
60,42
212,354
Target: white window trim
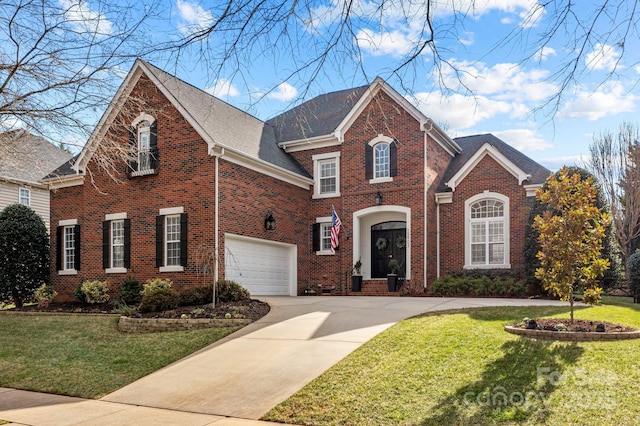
x,y
167,212
28,197
317,159
375,141
115,216
486,195
142,117
326,220
65,223
110,217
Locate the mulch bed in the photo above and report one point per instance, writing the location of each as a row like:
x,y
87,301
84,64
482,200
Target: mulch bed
x,y
250,308
578,325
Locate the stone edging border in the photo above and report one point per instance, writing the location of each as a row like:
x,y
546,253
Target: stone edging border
x,y
572,336
152,325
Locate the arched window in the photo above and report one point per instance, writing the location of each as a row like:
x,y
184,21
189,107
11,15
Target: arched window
x,y
487,231
144,145
381,159
143,138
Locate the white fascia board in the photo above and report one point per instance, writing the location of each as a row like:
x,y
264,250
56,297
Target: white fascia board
x,y
15,181
441,138
531,189
310,143
268,169
64,182
487,149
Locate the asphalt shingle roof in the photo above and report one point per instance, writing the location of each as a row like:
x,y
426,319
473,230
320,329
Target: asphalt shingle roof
x,y
317,117
471,144
27,157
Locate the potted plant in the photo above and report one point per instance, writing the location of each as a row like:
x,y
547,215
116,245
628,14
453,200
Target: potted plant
x,y
356,277
392,278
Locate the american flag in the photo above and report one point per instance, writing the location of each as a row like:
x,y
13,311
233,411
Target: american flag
x,y
336,226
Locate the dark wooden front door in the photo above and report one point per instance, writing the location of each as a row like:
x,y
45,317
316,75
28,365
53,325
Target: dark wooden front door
x,y
388,241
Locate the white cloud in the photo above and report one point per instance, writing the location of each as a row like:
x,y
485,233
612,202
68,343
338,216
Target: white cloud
x,y
284,92
523,139
603,57
193,17
544,53
393,43
223,88
458,111
80,15
609,99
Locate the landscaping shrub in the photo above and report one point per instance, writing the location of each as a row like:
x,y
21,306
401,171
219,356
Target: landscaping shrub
x,y
633,275
44,295
459,284
230,291
130,291
24,253
158,295
196,296
94,291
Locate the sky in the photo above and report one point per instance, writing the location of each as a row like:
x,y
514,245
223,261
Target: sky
x,y
495,72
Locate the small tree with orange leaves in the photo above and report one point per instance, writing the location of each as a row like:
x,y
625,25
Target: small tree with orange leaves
x,y
570,237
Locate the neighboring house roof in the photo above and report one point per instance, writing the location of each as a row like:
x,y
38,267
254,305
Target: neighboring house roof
x,y
474,146
27,158
317,117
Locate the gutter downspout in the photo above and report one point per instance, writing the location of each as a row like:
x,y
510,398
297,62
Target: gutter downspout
x,y
437,240
425,206
216,269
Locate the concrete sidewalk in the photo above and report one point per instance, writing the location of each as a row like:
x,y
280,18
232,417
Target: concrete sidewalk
x,y
241,377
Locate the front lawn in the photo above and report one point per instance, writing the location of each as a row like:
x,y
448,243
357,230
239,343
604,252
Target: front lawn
x,y
461,368
84,355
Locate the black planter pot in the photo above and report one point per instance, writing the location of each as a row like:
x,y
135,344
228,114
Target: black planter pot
x,y
356,283
392,282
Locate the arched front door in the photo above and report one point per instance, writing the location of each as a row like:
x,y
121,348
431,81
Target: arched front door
x,y
388,241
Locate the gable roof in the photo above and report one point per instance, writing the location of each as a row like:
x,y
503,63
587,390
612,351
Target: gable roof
x,y
473,148
316,117
241,137
27,158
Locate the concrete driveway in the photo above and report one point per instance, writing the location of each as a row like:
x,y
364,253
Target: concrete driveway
x,y
250,372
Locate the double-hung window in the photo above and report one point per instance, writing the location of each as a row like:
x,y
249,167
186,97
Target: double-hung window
x,y
326,171
487,229
144,143
116,243
24,196
171,240
68,247
381,159
322,236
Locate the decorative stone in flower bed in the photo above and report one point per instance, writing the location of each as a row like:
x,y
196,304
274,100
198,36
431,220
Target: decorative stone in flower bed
x,y
578,331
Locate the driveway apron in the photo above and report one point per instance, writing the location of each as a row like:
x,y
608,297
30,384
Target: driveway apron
x,y
248,373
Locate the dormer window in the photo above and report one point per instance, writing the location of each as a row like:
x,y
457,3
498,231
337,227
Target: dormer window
x,y
143,136
381,159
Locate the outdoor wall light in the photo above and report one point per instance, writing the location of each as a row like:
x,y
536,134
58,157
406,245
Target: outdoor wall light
x,y
378,198
269,222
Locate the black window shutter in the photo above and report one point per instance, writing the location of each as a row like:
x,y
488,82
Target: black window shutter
x,y
127,243
393,159
76,245
368,161
106,244
183,239
316,236
59,247
159,241
132,165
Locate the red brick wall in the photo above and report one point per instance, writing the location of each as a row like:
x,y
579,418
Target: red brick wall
x,y
186,178
488,175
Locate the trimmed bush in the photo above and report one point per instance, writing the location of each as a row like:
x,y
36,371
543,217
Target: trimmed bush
x,y
44,295
24,253
230,291
160,299
158,295
476,285
95,291
196,296
130,291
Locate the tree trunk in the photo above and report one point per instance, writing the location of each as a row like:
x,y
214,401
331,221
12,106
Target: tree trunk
x,y
571,304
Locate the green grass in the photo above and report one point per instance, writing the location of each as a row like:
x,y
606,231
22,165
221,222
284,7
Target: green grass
x,y
86,356
458,367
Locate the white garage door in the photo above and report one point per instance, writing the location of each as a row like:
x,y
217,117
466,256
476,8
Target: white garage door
x,y
263,267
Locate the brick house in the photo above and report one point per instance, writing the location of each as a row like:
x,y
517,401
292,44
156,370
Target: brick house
x,y
204,174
